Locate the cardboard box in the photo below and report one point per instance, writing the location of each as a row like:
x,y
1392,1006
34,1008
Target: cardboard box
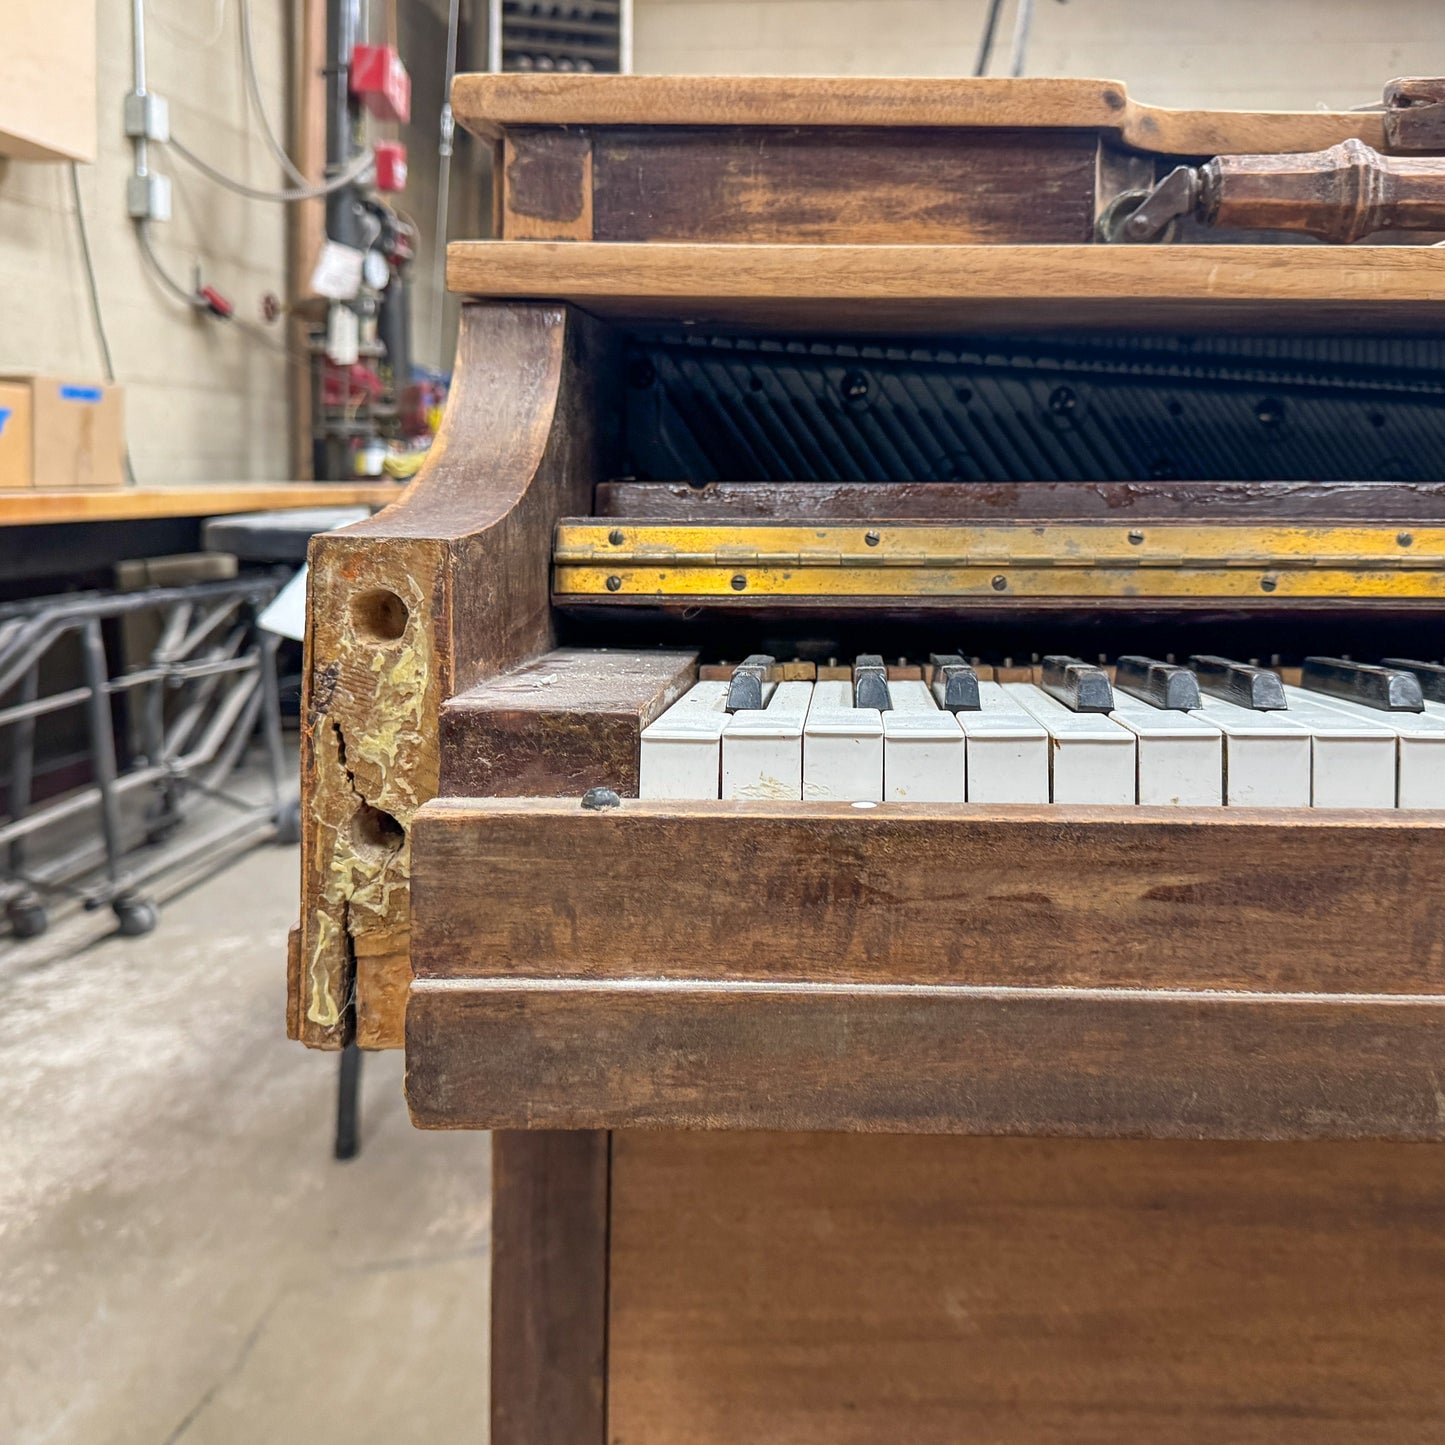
x,y
77,432
16,467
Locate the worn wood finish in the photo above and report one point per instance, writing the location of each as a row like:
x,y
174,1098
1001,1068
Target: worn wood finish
x,y
911,1059
832,1290
549,1289
559,724
439,591
1022,501
933,894
844,184
490,104
937,289
546,188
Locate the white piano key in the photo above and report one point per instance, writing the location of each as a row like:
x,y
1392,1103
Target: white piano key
x,y
1007,748
681,751
762,749
1419,747
923,753
1352,761
1091,757
842,747
1180,759
1266,755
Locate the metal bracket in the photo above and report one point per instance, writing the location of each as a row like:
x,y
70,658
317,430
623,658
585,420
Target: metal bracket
x,y
1142,216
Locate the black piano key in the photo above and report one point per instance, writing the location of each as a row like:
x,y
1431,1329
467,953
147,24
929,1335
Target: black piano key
x,y
1161,683
1389,689
1239,683
1430,675
1080,686
955,683
870,682
745,688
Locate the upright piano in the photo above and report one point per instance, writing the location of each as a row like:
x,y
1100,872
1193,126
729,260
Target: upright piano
x,y
895,754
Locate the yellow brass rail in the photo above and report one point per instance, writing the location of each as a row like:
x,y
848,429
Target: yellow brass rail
x,y
1087,560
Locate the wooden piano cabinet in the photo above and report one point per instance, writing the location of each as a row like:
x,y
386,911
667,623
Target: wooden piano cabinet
x,y
1164,973
828,1289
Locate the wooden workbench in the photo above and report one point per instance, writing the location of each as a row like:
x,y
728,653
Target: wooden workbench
x,y
214,499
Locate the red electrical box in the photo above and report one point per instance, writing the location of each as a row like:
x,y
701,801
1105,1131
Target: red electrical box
x,y
379,80
390,165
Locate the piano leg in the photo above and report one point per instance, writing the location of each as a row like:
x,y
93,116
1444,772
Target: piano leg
x,y
550,1220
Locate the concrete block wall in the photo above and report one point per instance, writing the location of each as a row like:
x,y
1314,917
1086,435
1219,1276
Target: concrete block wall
x,y
205,401
1286,54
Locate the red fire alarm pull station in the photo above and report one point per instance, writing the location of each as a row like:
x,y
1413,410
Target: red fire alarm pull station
x,y
379,80
390,165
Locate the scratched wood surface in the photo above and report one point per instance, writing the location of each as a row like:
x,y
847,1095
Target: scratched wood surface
x,y
834,1290
933,288
560,723
1023,501
843,184
489,104
937,894
915,1059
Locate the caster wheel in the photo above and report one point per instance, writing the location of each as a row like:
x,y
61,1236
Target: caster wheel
x,y
135,916
288,822
27,918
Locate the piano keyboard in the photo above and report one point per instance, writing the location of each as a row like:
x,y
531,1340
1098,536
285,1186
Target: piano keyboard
x,y
1231,735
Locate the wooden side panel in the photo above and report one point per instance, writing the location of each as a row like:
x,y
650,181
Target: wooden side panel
x,y
549,1289
748,184
561,723
1015,501
913,1059
941,894
832,1290
441,589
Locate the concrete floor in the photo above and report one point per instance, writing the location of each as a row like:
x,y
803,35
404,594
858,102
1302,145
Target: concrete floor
x,y
180,1257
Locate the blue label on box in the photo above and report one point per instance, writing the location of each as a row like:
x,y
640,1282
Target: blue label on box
x,y
80,393
4,417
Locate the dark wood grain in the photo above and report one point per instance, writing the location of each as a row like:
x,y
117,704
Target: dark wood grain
x,y
919,1060
845,1290
561,723
549,1288
932,894
746,184
1024,501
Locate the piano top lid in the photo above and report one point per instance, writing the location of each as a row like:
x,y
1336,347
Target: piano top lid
x,y
488,104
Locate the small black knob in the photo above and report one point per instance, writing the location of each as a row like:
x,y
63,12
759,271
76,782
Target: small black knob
x,y
599,799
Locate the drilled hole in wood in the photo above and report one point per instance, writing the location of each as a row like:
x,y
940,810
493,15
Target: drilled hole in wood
x,y
375,828
379,614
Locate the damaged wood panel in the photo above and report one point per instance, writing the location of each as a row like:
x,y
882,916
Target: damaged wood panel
x,y
1260,899
1024,501
838,1290
917,1059
845,184
547,186
559,724
549,1288
438,591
